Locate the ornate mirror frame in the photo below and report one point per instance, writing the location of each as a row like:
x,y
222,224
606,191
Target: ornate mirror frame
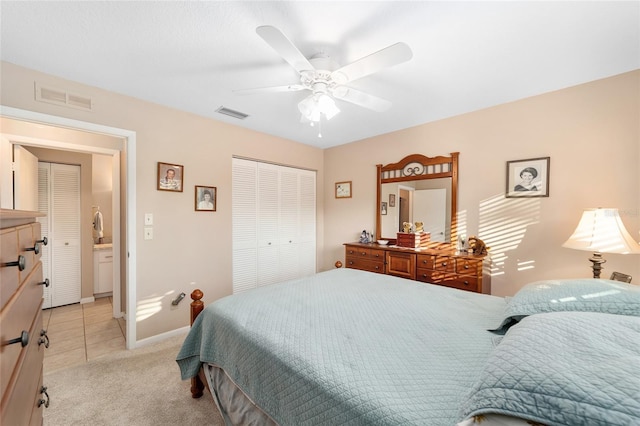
x,y
419,167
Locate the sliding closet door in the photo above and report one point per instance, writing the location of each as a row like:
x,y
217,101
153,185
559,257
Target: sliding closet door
x,y
59,198
275,206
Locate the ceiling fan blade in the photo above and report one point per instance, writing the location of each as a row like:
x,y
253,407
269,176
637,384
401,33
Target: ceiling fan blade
x,y
284,47
273,89
387,57
361,99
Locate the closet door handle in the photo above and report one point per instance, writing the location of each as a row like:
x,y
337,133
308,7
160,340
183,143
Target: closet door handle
x,y
44,241
23,339
44,283
43,390
21,263
43,339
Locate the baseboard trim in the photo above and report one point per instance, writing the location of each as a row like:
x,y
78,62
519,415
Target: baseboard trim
x,y
163,336
87,300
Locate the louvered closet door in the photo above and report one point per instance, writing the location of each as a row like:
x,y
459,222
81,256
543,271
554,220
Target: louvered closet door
x,y
44,206
307,223
244,199
268,235
273,223
65,231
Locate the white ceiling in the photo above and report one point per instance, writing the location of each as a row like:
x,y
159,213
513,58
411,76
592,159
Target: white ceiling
x,y
192,55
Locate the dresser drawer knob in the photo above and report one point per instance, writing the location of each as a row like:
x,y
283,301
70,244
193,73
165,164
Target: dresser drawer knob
x,y
351,262
44,283
43,339
21,263
35,248
44,241
444,263
23,339
364,253
466,266
43,390
466,283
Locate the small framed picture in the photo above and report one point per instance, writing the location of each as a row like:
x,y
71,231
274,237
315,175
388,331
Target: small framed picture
x,y
170,177
205,198
392,200
528,178
343,189
383,208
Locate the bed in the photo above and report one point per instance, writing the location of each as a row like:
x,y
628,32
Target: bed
x,y
357,348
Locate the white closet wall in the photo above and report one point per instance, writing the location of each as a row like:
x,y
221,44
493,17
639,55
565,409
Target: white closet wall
x,y
59,199
274,223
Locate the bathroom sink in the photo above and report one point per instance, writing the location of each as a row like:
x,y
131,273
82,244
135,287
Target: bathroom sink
x,y
102,246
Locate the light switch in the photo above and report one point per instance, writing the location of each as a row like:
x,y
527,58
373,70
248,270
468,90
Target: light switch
x,y
148,233
148,218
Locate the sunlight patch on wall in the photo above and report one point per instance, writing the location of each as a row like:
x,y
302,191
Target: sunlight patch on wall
x,y
148,307
502,225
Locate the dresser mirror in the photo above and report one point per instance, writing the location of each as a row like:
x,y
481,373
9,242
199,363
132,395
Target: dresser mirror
x,y
418,189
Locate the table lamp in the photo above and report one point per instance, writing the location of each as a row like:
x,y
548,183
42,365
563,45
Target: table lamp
x,y
601,231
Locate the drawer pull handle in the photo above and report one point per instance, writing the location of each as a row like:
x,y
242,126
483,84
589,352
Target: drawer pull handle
x,y
466,266
444,263
111,257
351,262
44,241
466,283
364,253
43,339
21,263
35,248
43,390
44,283
23,339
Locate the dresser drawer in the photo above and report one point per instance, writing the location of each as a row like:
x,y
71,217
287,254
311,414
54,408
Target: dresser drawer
x,y
17,316
468,266
427,261
462,282
444,264
365,264
365,252
26,246
23,392
8,274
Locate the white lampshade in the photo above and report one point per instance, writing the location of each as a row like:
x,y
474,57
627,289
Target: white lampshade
x,y
601,230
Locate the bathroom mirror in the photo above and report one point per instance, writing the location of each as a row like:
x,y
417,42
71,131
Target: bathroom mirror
x,y
418,189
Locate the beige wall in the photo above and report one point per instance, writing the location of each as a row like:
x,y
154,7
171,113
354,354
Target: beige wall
x,y
188,246
592,134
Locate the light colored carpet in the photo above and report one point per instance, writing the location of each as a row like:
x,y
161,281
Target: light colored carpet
x,y
137,387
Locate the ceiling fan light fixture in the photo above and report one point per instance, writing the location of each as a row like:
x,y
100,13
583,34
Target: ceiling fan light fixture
x,y
314,106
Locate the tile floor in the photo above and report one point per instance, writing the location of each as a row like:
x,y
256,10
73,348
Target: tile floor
x,y
79,333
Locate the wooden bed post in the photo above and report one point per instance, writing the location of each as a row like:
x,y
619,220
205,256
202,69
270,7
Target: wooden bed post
x,y
196,307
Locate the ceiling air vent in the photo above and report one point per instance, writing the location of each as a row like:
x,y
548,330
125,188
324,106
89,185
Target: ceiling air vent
x,y
63,98
231,113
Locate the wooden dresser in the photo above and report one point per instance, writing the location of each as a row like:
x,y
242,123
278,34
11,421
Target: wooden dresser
x,y
442,267
22,394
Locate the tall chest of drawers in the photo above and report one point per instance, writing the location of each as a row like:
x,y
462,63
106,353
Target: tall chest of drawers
x,y
442,267
22,394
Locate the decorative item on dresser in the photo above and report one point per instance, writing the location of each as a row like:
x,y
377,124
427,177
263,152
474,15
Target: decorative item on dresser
x,y
22,394
437,265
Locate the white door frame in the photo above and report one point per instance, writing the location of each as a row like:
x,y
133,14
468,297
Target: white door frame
x,y
130,148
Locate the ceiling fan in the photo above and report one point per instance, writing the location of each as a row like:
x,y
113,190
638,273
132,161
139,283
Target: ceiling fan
x,y
325,79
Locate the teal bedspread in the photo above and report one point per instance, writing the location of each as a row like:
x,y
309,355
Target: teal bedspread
x,y
347,347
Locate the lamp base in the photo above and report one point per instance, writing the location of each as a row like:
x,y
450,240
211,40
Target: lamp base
x,y
597,261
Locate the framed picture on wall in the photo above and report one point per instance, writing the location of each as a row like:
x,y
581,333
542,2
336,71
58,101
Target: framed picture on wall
x,y
383,208
343,189
205,198
528,178
392,200
170,177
